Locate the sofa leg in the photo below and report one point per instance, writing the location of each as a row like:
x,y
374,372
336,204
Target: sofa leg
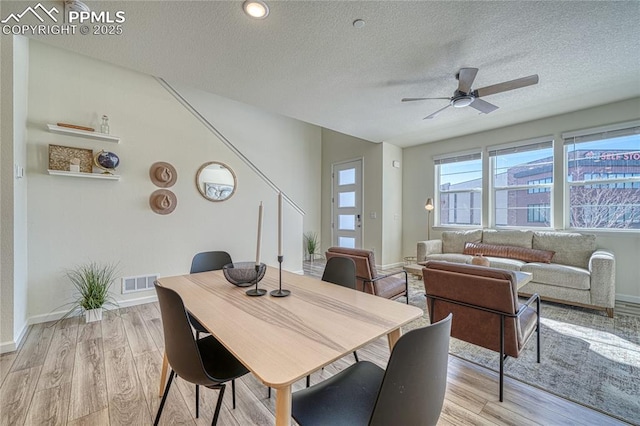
x,y
609,312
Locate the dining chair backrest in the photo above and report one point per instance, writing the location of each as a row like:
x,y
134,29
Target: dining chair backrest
x,y
414,384
209,261
341,271
179,344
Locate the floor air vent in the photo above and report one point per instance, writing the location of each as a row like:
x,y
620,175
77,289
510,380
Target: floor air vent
x,y
139,283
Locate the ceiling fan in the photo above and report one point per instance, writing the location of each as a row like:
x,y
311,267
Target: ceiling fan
x,y
464,96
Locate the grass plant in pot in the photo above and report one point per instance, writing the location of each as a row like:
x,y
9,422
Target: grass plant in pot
x,y
311,244
92,282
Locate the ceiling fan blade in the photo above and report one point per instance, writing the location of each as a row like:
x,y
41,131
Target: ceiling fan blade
x,y
483,106
433,115
420,99
465,79
507,85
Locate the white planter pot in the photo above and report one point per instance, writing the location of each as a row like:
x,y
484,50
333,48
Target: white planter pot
x,y
93,315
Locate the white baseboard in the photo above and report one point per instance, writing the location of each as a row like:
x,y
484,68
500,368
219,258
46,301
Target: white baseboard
x,y
54,316
6,347
12,346
627,298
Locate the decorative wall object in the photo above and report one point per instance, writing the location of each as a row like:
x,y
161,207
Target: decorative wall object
x,y
216,181
163,174
107,161
61,157
163,201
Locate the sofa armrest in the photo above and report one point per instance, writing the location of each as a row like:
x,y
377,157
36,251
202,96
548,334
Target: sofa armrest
x,y
602,266
426,248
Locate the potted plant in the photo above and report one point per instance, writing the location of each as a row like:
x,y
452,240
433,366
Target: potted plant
x,y
311,244
92,282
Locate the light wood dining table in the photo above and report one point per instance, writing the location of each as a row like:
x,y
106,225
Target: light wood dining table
x,y
282,340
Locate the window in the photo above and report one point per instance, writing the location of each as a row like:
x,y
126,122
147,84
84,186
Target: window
x,y
459,180
538,213
603,175
522,183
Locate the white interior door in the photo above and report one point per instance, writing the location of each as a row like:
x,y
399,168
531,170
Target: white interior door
x,y
346,221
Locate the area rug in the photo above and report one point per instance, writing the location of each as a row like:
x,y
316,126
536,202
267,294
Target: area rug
x,y
587,357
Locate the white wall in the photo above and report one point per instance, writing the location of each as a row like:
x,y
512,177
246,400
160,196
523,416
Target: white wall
x,y
269,141
338,147
73,220
13,199
418,182
391,206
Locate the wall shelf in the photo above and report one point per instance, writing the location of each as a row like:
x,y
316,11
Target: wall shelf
x,y
83,133
84,175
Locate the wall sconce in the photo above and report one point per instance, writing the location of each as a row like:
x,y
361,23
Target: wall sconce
x,y
428,206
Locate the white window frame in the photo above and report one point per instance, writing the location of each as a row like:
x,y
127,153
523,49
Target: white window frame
x,y
454,158
534,144
590,135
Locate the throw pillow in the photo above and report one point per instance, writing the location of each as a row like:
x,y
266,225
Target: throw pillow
x,y
509,252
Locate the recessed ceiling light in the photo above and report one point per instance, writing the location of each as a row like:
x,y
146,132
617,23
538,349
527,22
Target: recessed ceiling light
x,y
76,6
255,9
358,23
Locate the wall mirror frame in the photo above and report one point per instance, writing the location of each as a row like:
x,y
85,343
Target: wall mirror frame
x,y
216,181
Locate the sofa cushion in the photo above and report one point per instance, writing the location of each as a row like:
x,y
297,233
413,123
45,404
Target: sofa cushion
x,y
503,263
510,252
449,257
453,241
508,238
559,275
571,248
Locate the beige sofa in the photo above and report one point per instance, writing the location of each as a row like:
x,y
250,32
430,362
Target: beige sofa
x,y
566,267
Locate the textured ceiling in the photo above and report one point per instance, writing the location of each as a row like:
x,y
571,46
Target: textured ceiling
x,y
307,61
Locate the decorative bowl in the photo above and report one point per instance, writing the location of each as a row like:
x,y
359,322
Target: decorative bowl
x,y
243,274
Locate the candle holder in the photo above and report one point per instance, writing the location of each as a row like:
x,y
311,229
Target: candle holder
x,y
257,291
280,292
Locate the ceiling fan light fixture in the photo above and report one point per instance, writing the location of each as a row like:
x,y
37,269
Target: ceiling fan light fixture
x,y
255,9
462,101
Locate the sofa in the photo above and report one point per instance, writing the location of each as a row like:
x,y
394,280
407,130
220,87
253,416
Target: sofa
x,y
566,267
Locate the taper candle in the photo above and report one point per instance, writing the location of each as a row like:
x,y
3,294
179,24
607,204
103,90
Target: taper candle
x,y
280,223
259,234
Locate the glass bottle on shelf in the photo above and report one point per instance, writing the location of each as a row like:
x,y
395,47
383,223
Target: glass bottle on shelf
x,y
104,127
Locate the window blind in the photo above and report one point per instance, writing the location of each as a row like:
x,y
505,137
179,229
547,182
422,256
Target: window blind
x,y
457,158
611,132
520,148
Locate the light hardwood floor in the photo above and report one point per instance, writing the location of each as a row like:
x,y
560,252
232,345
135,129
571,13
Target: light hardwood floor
x,y
107,373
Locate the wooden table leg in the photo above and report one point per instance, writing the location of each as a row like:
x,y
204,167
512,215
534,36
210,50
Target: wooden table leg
x,y
163,374
283,406
393,337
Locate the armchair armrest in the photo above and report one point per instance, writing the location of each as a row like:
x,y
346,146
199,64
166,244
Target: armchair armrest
x,y
426,248
602,266
380,277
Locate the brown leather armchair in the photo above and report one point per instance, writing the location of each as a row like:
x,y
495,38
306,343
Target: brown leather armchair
x,y
485,307
390,286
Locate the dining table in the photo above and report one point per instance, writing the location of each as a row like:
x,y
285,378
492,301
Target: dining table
x,y
283,339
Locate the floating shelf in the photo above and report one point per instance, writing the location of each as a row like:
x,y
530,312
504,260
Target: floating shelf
x,y
83,133
84,175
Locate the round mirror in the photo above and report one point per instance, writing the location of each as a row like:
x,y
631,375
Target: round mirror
x,y
216,181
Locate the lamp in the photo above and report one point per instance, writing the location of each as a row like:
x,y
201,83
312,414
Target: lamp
x,y
428,206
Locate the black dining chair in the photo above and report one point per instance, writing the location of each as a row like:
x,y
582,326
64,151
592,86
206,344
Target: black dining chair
x,y
410,392
205,361
204,262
